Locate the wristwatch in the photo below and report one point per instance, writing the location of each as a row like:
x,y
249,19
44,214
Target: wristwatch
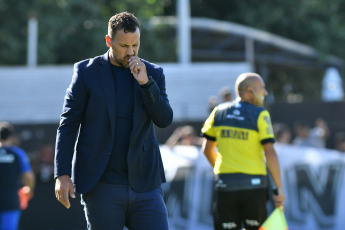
x,y
147,84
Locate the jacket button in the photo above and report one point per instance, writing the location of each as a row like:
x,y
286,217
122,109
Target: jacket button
x,y
108,154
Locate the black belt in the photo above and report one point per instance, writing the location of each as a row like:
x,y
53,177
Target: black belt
x,y
239,181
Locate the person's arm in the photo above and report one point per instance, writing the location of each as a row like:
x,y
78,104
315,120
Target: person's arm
x,y
209,149
154,93
74,105
174,138
28,179
26,192
274,168
27,175
63,189
157,104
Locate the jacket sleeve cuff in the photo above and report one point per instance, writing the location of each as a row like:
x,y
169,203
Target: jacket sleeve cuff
x,y
147,84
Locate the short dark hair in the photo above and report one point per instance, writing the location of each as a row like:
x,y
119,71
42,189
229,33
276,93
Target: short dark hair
x,y
6,130
124,20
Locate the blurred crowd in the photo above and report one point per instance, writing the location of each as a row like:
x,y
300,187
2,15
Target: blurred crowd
x,y
43,162
302,133
309,135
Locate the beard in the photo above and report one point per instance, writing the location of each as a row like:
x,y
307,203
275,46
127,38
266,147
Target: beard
x,y
260,100
123,62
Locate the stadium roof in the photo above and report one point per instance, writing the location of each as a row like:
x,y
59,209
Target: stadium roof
x,y
214,40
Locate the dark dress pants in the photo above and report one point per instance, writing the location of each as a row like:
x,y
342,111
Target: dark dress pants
x,y
111,207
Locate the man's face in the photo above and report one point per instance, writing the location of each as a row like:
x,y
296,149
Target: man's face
x,y
259,92
123,46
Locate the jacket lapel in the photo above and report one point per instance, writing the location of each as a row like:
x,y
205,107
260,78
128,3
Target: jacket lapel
x,y
107,81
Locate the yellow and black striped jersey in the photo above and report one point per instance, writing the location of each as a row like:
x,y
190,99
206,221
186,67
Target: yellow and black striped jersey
x,y
240,129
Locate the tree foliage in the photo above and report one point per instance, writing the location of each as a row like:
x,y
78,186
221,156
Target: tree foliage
x,y
69,30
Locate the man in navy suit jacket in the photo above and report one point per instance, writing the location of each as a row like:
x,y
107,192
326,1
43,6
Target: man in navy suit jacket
x,y
106,147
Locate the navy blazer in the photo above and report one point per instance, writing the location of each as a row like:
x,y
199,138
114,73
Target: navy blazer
x,y
87,125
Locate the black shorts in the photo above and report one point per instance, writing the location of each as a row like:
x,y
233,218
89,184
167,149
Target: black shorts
x,y
239,209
